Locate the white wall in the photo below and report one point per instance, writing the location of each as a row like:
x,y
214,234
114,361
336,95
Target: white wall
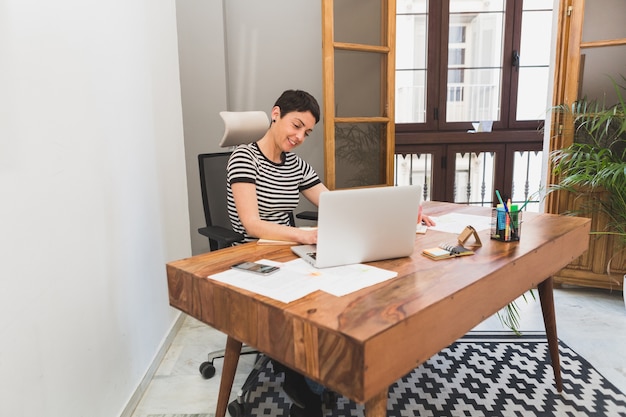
x,y
93,200
272,46
269,46
203,88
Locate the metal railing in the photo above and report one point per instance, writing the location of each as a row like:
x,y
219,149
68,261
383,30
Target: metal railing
x,y
474,176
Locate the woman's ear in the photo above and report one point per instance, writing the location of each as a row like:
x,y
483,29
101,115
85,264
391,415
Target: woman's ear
x,y
275,113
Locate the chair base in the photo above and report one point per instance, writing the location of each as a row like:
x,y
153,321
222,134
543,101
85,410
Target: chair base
x,y
207,369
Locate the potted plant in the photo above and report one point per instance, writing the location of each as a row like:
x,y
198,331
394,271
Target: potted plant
x,y
593,167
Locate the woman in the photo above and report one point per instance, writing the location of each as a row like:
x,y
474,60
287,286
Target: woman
x,y
265,180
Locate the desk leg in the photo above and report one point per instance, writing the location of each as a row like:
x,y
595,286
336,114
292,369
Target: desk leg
x,y
377,405
546,296
231,358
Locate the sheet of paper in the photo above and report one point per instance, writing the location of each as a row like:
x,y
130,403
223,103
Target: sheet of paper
x,y
456,222
282,285
341,280
297,279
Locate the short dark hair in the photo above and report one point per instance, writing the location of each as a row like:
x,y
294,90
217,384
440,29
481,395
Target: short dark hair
x,y
300,101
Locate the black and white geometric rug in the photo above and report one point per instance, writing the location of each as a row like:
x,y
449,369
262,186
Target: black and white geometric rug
x,y
496,374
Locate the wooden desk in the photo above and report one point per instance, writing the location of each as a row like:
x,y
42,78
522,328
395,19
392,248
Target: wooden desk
x,y
361,343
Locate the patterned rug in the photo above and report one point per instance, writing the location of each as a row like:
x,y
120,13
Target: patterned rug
x,y
479,375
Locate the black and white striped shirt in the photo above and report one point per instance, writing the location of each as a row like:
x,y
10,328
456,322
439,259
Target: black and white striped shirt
x,y
278,186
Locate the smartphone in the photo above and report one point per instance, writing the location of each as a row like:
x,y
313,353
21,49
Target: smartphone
x,y
256,268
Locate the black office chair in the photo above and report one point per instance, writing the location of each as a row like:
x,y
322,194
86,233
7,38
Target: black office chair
x,y
213,184
239,128
218,228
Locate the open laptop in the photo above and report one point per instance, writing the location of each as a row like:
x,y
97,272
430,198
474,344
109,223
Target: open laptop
x,y
363,225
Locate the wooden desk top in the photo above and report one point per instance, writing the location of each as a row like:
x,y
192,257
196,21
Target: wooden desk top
x,y
361,343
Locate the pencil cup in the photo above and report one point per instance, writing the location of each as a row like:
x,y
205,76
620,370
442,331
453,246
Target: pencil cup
x,y
506,226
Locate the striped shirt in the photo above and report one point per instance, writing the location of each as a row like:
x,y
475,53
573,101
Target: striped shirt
x,y
278,186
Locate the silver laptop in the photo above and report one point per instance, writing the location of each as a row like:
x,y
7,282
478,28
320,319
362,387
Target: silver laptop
x,y
363,225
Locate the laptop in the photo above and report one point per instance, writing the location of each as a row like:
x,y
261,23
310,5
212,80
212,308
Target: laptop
x,y
363,225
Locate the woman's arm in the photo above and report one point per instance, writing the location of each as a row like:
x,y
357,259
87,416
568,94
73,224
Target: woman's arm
x,y
313,194
245,198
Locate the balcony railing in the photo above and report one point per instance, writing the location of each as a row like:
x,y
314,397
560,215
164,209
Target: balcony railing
x,y
474,177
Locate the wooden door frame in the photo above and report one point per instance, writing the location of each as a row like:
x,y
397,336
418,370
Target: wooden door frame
x,y
566,82
329,45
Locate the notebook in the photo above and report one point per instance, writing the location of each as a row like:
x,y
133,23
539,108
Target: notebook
x,y
447,251
363,225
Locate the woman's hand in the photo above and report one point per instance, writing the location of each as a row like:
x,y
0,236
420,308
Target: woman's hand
x,y
307,236
428,221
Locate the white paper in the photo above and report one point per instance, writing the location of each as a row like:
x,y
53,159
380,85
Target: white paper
x,y
456,222
342,280
297,279
280,285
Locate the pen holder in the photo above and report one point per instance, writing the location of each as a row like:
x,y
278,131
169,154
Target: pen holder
x,y
506,226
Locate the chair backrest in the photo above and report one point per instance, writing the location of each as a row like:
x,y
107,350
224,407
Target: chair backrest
x,y
213,184
213,177
241,127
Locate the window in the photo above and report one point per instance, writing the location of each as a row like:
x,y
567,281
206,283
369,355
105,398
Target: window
x,y
461,61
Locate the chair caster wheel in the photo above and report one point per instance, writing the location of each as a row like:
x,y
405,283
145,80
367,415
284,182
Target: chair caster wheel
x,y
235,409
207,370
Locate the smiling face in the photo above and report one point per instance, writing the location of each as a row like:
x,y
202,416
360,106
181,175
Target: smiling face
x,y
291,129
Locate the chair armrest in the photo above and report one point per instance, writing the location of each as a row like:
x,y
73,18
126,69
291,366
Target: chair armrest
x,y
307,215
224,237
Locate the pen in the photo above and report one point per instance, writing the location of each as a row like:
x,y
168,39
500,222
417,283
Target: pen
x,y
506,209
509,225
499,198
524,205
419,214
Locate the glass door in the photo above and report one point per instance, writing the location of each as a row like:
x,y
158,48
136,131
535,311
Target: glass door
x,y
359,61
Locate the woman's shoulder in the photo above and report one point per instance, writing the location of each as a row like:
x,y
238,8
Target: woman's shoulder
x,y
246,151
244,158
246,148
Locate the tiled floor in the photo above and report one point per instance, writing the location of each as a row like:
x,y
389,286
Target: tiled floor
x,y
591,322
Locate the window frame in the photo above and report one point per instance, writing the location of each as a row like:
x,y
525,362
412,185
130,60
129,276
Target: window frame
x,y
437,68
